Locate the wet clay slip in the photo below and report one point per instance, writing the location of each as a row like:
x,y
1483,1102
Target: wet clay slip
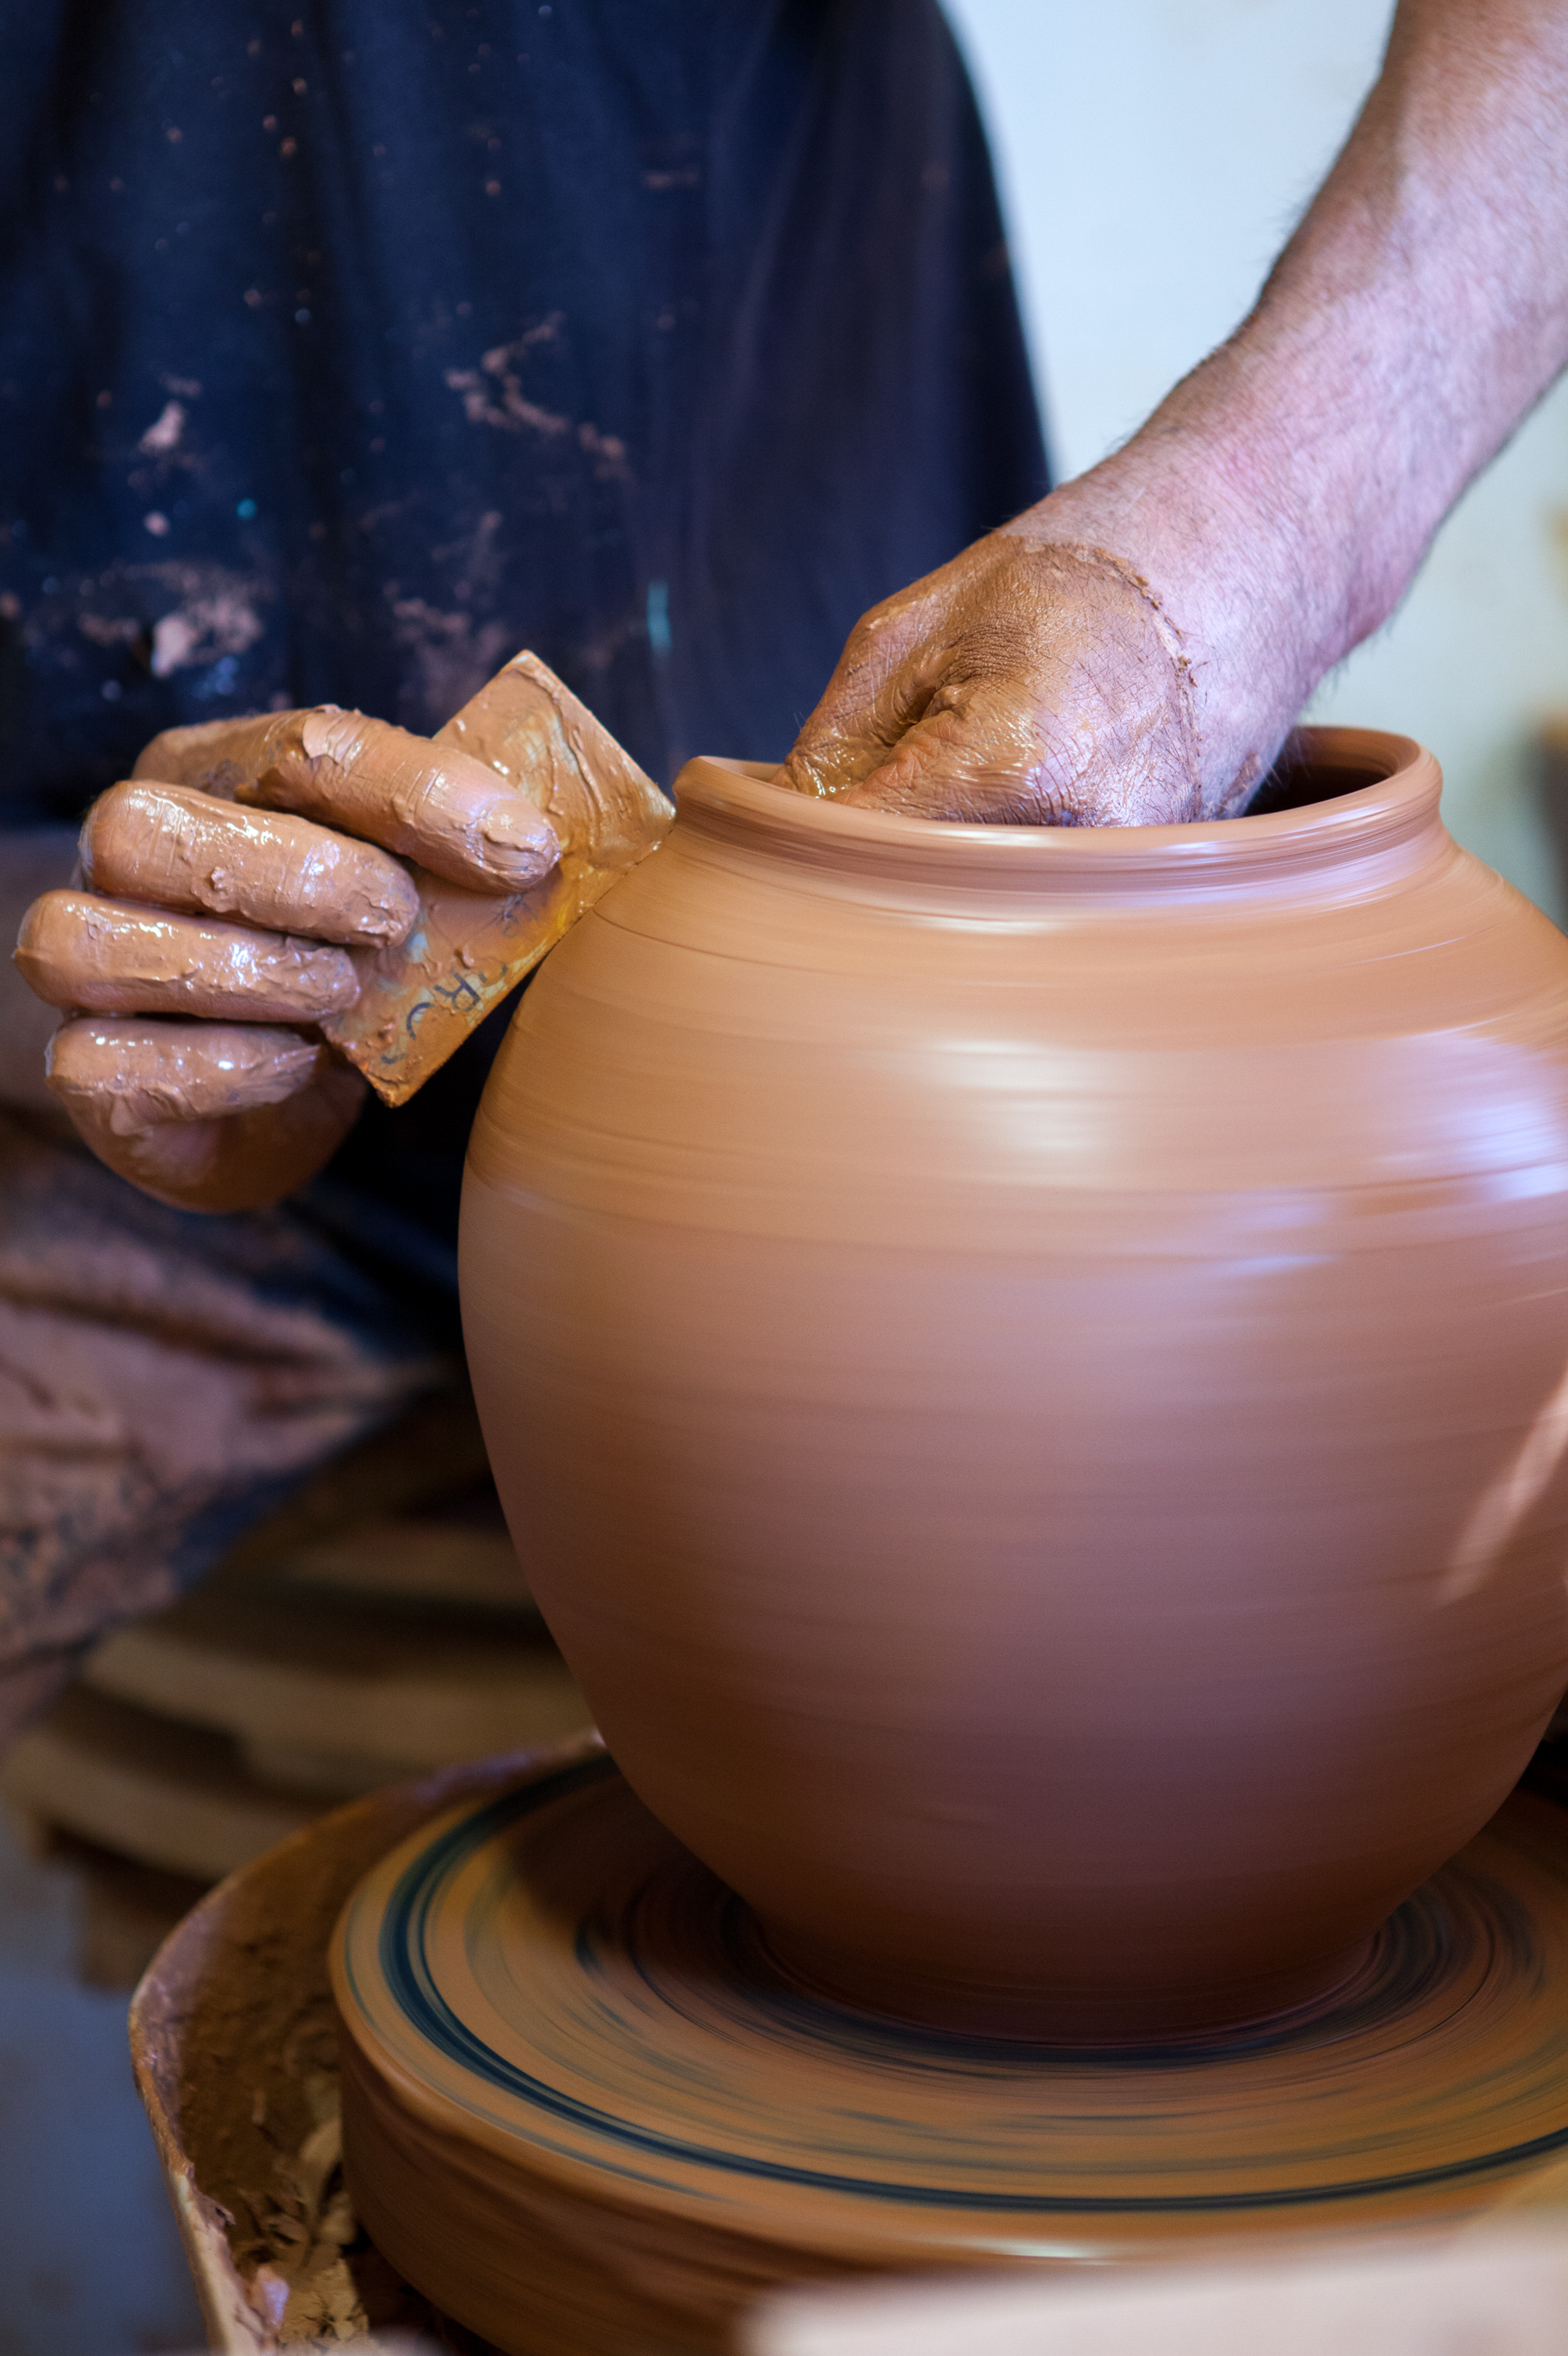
x,y
515,816
183,849
1029,1375
124,956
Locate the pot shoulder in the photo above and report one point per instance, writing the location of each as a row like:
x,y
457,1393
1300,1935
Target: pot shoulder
x,y
727,1040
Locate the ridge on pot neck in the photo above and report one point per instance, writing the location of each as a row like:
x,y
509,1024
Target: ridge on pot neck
x,y
1350,799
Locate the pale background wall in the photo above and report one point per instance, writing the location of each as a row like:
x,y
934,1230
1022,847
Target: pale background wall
x,y
1153,155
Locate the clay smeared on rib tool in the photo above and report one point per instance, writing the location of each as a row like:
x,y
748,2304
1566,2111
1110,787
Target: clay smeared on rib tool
x,y
420,997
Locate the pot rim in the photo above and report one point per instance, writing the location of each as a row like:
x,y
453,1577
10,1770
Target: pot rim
x,y
737,800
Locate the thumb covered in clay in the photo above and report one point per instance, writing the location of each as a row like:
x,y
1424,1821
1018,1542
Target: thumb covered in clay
x,y
1023,683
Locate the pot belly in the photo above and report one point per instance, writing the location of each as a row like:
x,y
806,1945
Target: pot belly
x,y
1062,1640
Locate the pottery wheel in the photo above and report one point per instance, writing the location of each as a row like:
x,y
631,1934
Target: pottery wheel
x,y
585,2111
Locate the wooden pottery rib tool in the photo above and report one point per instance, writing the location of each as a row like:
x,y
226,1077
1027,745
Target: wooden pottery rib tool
x,y
419,1000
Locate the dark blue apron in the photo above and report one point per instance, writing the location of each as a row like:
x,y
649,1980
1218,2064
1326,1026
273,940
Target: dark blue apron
x,y
348,345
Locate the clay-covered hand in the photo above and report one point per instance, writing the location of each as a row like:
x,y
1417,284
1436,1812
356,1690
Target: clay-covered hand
x,y
225,885
1025,682
1136,648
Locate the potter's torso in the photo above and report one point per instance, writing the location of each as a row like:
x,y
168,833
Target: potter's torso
x,y
346,348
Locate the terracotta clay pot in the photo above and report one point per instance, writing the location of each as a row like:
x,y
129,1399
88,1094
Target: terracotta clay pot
x,y
1028,1371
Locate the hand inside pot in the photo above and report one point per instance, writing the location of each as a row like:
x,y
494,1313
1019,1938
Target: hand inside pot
x,y
226,884
1029,682
1135,648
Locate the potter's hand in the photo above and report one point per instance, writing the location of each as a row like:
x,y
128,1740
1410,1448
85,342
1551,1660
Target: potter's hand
x,y
215,930
1025,682
1274,509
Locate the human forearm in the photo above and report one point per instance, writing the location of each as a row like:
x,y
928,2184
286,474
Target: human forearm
x,y
1282,498
1134,650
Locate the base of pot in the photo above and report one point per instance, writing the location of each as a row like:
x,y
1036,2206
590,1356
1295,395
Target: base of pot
x,y
1062,2017
583,2108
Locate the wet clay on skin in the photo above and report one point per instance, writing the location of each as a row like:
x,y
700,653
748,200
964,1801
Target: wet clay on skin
x,y
180,848
121,956
204,1115
1026,1371
419,999
563,775
1020,684
144,1074
433,804
427,958
239,1162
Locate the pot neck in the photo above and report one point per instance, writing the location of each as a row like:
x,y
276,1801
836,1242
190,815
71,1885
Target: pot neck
x,y
1363,809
